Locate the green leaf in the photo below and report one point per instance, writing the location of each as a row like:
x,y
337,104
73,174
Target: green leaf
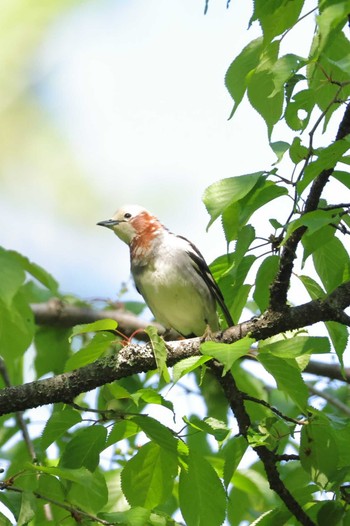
x,y
318,449
94,485
121,430
298,152
313,288
279,148
297,346
57,425
199,488
209,425
227,353
37,272
332,264
133,517
84,449
312,242
51,487
160,352
237,214
287,376
52,349
188,365
276,517
327,159
16,327
150,396
89,497
339,336
264,277
12,276
303,100
284,69
148,478
276,17
221,194
330,513
261,89
237,74
233,453
99,325
158,433
96,347
28,508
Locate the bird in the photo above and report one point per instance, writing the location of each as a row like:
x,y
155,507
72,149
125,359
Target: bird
x,y
170,273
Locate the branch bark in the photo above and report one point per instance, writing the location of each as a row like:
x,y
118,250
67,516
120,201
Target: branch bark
x,y
134,358
280,285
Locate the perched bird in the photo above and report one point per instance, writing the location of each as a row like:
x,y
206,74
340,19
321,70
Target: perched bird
x,y
169,272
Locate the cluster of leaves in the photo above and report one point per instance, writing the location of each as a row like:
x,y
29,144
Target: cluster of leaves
x,y
125,467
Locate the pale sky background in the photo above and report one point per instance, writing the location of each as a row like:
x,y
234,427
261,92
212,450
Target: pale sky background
x,y
136,90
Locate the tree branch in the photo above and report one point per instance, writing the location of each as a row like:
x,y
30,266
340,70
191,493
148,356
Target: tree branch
x,y
280,285
134,358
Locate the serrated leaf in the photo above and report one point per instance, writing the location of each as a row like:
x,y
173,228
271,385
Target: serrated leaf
x,y
332,264
318,449
148,478
99,325
188,365
97,346
150,396
84,449
121,430
158,433
233,453
237,73
221,194
57,425
227,353
287,377
297,346
89,497
160,352
327,158
94,484
199,487
261,88
276,17
12,276
264,277
209,425
16,327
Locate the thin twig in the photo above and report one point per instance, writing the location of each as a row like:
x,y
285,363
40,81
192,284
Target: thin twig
x,y
274,410
333,401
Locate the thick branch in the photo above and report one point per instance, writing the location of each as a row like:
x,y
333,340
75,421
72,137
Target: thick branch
x,y
55,313
235,398
134,359
280,285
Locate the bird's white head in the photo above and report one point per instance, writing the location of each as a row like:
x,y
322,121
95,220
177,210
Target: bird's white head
x,y
131,221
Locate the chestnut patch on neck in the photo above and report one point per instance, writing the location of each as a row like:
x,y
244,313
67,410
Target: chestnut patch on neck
x,y
147,227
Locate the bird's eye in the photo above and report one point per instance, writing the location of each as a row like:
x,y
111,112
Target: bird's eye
x,y
127,215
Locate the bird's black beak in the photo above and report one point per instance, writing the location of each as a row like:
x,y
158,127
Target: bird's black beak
x,y
109,223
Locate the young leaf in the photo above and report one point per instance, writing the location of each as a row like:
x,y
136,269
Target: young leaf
x,y
100,325
187,366
227,353
91,352
160,352
221,194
